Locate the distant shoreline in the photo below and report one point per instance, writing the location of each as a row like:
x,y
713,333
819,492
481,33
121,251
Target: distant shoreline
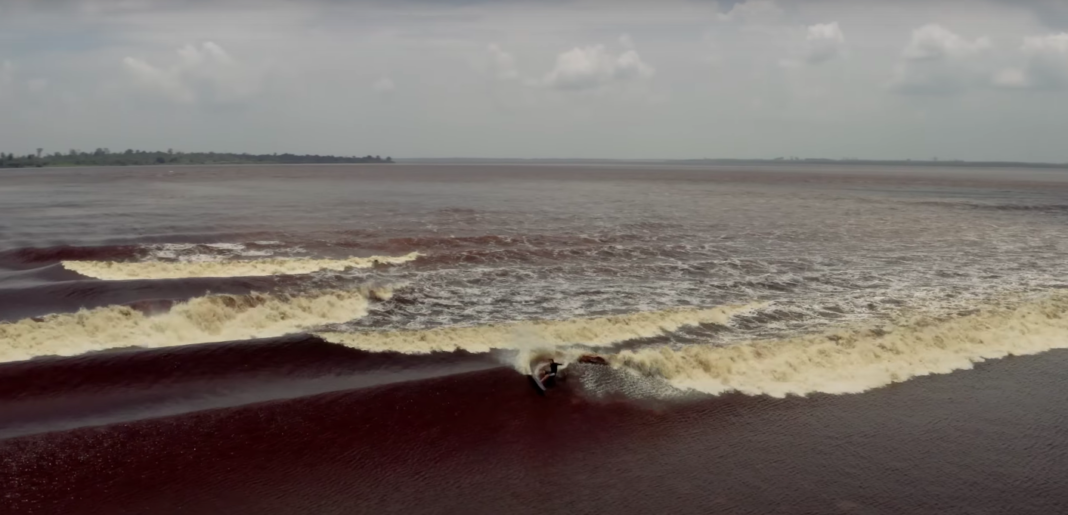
x,y
744,162
138,158
103,157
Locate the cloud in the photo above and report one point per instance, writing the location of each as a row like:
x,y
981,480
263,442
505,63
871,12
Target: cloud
x,y
384,85
937,61
581,68
1052,42
753,11
163,82
935,42
824,42
502,63
495,101
1045,66
593,66
1011,78
204,74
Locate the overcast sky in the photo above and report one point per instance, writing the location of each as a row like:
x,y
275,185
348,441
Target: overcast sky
x,y
977,79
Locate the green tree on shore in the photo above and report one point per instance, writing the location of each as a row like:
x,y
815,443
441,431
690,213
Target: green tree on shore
x,y
131,157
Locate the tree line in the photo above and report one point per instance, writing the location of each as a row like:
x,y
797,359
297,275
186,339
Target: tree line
x,y
105,157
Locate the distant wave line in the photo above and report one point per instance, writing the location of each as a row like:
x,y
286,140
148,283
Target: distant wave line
x,y
124,271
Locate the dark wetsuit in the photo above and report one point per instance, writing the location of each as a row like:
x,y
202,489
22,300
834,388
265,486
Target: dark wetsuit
x,y
550,379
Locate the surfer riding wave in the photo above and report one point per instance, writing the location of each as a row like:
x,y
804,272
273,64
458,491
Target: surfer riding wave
x,y
545,374
548,373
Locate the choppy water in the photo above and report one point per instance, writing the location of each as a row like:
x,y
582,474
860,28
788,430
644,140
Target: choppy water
x,y
480,245
690,281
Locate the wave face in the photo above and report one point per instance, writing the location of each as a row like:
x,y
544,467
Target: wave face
x,y
854,360
211,318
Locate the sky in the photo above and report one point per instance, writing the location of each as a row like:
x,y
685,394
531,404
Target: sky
x,y
622,79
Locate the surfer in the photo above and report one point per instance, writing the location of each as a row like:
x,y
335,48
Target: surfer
x,y
548,376
545,373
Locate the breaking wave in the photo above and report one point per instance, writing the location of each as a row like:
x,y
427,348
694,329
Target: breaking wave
x,y
857,359
541,334
124,271
200,252
211,318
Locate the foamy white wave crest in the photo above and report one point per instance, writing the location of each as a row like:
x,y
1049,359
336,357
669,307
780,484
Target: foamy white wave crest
x,y
857,359
201,252
226,246
204,319
535,336
169,250
119,271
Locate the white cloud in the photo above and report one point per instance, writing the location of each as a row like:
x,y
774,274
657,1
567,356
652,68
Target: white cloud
x,y
753,11
468,110
159,81
629,65
593,66
938,61
1011,78
1051,42
384,85
824,42
1045,66
580,68
204,74
933,42
502,63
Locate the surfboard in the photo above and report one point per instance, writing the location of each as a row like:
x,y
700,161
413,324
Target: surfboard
x,y
535,376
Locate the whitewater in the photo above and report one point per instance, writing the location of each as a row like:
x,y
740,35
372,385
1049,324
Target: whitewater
x,y
768,283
